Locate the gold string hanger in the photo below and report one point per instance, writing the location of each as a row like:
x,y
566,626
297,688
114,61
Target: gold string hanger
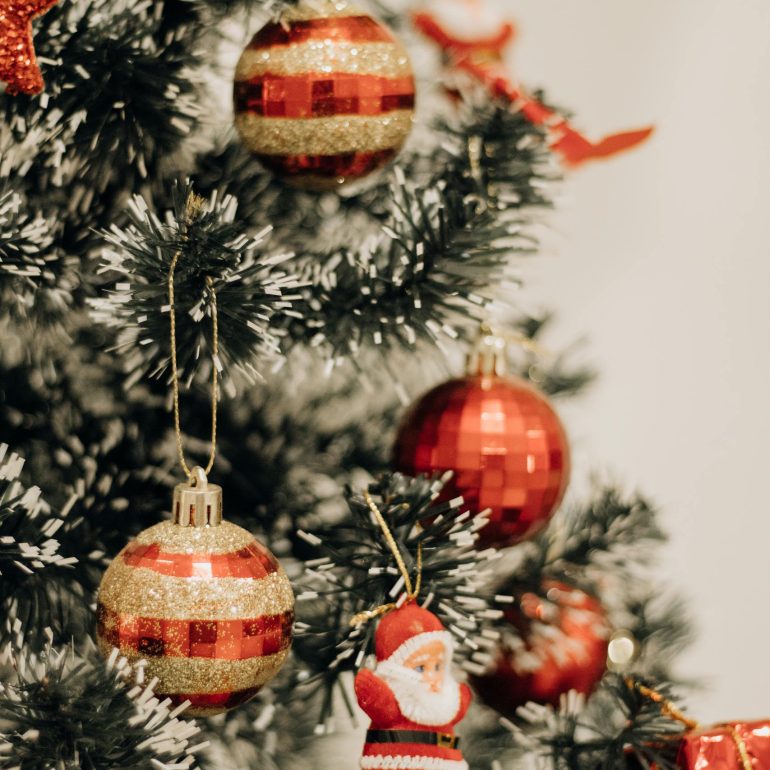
x,y
412,590
488,355
193,207
512,338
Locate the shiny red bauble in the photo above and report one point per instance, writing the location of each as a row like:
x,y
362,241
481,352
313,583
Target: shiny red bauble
x,y
560,644
505,444
325,95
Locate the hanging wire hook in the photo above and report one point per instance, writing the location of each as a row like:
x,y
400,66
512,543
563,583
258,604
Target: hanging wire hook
x,y
412,590
193,207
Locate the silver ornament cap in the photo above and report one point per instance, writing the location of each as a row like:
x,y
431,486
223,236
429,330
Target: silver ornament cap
x,y
196,502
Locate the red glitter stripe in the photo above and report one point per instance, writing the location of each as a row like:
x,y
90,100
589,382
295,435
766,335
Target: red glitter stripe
x,y
249,562
214,700
350,164
322,95
347,29
214,639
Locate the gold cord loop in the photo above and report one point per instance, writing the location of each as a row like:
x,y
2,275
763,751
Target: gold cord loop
x,y
412,590
192,207
512,338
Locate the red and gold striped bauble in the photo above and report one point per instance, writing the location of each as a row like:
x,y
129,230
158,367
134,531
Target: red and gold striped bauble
x,y
206,606
325,95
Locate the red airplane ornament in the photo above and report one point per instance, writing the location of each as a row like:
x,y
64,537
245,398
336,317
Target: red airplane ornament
x,y
482,58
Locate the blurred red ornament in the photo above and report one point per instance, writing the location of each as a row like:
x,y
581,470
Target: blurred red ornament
x,y
560,645
18,65
325,95
504,442
730,746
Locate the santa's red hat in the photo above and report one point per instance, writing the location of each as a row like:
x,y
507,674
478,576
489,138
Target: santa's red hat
x,y
406,629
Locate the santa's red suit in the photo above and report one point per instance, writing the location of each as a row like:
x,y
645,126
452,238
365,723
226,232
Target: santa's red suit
x,y
412,727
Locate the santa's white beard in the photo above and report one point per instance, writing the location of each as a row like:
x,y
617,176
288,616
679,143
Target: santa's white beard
x,y
417,701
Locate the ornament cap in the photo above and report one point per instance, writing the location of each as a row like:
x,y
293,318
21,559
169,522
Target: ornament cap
x,y
489,355
196,502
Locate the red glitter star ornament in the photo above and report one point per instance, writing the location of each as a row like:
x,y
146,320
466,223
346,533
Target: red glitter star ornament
x,y
18,65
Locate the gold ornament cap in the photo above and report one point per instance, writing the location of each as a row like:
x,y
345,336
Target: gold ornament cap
x,y
196,502
489,355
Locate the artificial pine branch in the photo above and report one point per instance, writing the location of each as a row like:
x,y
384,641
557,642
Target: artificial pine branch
x,y
34,279
249,286
33,565
662,626
437,261
609,534
61,708
555,375
120,97
615,731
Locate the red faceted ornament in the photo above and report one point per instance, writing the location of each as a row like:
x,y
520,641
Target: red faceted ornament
x,y
561,645
504,442
325,95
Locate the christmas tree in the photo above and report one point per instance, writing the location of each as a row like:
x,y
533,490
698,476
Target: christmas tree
x,y
256,293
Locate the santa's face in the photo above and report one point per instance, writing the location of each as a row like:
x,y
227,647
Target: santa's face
x,y
424,687
430,663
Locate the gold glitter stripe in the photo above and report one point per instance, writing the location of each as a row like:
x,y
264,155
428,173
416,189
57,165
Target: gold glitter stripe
x,y
205,675
224,538
317,9
138,591
324,136
383,59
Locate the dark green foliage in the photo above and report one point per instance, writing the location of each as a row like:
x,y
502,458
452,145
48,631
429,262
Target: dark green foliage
x,y
662,625
584,541
33,563
621,728
35,283
119,98
555,375
449,239
214,258
63,709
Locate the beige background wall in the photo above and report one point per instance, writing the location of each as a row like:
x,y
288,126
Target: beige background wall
x,y
661,258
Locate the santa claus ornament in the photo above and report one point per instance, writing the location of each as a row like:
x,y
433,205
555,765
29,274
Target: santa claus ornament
x,y
411,696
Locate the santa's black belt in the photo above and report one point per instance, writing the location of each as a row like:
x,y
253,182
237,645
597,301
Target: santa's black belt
x,y
444,740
